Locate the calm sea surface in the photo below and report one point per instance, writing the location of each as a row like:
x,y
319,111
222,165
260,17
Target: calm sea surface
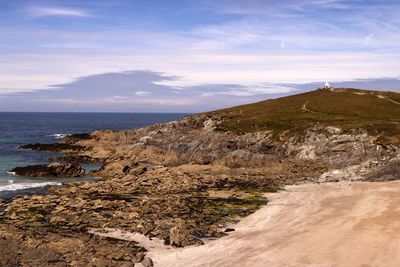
x,y
22,128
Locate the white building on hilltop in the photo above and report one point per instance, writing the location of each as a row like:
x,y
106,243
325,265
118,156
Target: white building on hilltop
x,y
327,86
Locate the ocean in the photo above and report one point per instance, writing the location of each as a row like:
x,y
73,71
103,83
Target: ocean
x,y
17,129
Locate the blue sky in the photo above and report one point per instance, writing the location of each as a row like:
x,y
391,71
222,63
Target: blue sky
x,y
189,55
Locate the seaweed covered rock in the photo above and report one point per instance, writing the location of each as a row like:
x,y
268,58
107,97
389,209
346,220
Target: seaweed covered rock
x,y
56,147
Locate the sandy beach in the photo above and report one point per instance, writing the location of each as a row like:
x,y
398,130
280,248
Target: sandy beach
x,y
334,224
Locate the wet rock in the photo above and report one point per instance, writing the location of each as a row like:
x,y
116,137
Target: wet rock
x,y
77,137
54,169
75,159
181,236
46,248
57,147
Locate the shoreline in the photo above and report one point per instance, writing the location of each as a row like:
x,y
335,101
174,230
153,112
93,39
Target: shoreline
x,y
9,195
330,224
179,182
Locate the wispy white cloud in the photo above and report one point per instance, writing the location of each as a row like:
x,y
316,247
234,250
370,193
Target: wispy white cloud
x,y
46,11
306,34
283,45
273,8
251,90
111,102
115,99
142,93
368,38
270,41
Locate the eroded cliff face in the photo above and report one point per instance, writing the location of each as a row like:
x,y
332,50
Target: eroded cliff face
x,y
354,155
189,141
198,140
181,182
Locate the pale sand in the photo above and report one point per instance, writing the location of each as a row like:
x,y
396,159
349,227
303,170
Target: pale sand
x,y
337,224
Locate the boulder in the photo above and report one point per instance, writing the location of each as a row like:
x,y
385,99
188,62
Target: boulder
x,y
147,262
209,125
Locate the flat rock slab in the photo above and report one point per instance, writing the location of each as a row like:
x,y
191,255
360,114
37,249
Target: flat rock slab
x,y
333,224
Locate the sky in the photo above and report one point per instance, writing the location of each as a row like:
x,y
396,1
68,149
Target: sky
x,y
190,56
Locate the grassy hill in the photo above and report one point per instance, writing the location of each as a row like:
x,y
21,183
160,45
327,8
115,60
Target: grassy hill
x,y
376,111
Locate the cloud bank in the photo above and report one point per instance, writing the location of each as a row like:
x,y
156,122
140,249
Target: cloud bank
x,y
144,91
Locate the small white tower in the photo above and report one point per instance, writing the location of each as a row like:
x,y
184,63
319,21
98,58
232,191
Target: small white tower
x,y
327,86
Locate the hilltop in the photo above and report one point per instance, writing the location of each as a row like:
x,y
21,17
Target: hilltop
x,y
375,111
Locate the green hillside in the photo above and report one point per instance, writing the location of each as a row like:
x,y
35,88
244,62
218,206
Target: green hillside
x,y
376,111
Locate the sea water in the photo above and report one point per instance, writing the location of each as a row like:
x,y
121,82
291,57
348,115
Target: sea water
x,y
17,129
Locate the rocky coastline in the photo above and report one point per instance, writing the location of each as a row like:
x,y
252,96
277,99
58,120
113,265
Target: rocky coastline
x,y
181,182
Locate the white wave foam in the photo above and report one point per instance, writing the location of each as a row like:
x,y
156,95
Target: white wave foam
x,y
12,173
13,187
59,135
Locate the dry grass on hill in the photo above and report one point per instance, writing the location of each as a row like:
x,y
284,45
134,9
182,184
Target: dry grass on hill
x,y
375,111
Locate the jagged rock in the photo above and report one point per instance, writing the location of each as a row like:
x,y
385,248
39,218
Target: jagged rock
x,y
76,137
24,248
54,169
139,257
73,158
209,125
180,236
333,130
57,147
147,262
388,171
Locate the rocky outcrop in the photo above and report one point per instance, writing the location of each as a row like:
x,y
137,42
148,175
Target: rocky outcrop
x,y
191,140
57,147
354,155
197,140
48,248
54,169
76,137
176,204
183,181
